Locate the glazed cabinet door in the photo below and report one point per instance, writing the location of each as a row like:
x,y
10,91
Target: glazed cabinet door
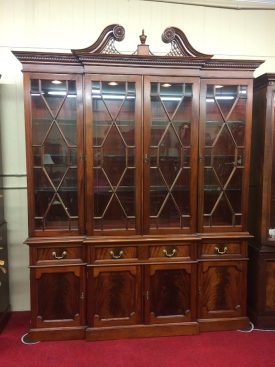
x,y
169,293
113,143
114,295
170,154
58,296
54,134
225,129
222,289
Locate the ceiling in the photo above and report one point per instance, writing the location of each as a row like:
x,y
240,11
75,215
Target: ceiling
x,y
229,4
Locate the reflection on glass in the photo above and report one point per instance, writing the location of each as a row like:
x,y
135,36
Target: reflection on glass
x,y
113,108
170,150
224,151
54,120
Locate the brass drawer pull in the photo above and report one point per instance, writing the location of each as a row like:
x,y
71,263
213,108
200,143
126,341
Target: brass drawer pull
x,y
170,254
221,252
118,256
63,255
2,263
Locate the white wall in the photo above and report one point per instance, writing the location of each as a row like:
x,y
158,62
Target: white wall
x,y
67,24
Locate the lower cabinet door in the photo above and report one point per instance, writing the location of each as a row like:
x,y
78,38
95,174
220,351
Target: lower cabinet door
x,y
169,293
222,289
114,295
58,296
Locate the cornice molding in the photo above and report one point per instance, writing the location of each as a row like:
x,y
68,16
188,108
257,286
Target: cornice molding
x,y
264,80
28,57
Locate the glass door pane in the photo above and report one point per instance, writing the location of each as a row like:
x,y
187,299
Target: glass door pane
x,y
115,155
54,153
170,130
223,153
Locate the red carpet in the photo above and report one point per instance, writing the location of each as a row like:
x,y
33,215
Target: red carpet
x,y
213,349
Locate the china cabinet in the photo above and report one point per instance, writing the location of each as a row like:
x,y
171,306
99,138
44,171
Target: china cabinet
x,y
262,205
138,189
4,277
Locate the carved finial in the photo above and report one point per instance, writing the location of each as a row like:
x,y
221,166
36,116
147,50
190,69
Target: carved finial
x,y
142,38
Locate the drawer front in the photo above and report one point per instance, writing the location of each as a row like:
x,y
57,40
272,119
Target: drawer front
x,y
57,254
115,254
222,249
168,252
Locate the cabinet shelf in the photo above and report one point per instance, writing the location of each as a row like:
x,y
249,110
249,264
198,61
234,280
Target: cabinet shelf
x,y
219,188
221,122
121,189
69,122
60,190
163,123
108,123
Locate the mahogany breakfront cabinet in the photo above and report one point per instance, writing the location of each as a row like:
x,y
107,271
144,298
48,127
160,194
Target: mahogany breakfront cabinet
x,y
138,189
261,293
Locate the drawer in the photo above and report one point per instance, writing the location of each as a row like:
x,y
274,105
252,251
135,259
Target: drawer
x,y
222,249
115,253
168,252
57,254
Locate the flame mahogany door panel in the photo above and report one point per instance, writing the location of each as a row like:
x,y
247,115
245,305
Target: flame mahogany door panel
x,y
170,292
222,290
114,295
58,296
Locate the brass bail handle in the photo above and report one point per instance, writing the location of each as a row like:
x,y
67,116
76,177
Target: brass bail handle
x,y
221,251
170,254
116,256
2,263
63,255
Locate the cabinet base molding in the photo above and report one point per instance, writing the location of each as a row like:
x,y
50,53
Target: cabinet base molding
x,y
224,324
142,331
139,331
51,334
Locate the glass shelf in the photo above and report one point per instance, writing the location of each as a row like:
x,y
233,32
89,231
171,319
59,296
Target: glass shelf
x,y
50,189
220,122
163,123
57,119
219,189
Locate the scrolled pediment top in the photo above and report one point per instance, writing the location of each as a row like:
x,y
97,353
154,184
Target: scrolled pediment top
x,y
180,46
105,42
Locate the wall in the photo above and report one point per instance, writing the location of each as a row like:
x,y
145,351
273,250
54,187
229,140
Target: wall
x,y
66,24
